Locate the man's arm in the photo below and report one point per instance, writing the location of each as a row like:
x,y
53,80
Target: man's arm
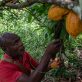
x,y
40,71
38,74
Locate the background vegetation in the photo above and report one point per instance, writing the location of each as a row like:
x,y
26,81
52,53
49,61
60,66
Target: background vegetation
x,y
36,31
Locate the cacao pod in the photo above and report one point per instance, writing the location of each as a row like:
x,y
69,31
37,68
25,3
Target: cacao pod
x,y
57,13
55,63
73,24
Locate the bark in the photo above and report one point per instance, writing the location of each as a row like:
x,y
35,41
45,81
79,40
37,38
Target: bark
x,y
31,2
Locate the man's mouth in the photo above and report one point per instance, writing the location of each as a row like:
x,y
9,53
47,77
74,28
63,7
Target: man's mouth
x,y
22,49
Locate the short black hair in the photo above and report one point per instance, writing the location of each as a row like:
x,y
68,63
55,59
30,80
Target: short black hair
x,y
7,37
10,36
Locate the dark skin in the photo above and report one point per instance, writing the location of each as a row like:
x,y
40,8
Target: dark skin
x,y
15,49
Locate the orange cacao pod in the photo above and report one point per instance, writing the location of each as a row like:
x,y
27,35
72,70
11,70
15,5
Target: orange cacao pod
x,y
55,63
57,13
73,24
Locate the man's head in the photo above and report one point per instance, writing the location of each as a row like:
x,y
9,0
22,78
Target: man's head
x,y
12,45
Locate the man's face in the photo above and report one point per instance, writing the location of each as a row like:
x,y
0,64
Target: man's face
x,y
16,48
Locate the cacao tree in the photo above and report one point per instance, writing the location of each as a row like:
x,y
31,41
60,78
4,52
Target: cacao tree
x,y
37,11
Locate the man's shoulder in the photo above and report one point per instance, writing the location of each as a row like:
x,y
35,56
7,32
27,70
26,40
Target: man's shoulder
x,y
7,65
8,72
4,65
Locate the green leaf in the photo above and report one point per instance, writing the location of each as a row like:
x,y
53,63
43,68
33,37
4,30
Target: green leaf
x,y
29,18
64,35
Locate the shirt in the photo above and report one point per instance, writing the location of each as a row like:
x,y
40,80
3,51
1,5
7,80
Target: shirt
x,y
11,72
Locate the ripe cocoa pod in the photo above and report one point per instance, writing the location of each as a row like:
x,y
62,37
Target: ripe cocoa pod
x,y
57,13
73,24
55,63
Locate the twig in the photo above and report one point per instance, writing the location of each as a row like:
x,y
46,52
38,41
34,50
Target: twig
x,y
29,3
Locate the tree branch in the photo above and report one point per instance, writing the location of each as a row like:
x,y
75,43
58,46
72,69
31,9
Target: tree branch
x,y
29,3
19,5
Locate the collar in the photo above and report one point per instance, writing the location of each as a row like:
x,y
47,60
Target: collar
x,y
7,58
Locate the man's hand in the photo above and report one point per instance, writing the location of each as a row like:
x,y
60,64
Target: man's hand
x,y
53,47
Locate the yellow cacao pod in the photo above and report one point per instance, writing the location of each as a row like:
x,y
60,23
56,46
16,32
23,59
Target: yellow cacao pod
x,y
55,63
57,13
73,24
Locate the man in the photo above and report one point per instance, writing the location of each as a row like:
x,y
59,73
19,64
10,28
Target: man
x,y
17,64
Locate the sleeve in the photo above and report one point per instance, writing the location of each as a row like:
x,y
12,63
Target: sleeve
x,y
16,75
9,74
33,63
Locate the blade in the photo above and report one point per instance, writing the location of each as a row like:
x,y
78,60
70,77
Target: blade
x,y
80,3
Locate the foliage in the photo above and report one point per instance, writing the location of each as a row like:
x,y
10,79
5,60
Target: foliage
x,y
36,31
31,24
